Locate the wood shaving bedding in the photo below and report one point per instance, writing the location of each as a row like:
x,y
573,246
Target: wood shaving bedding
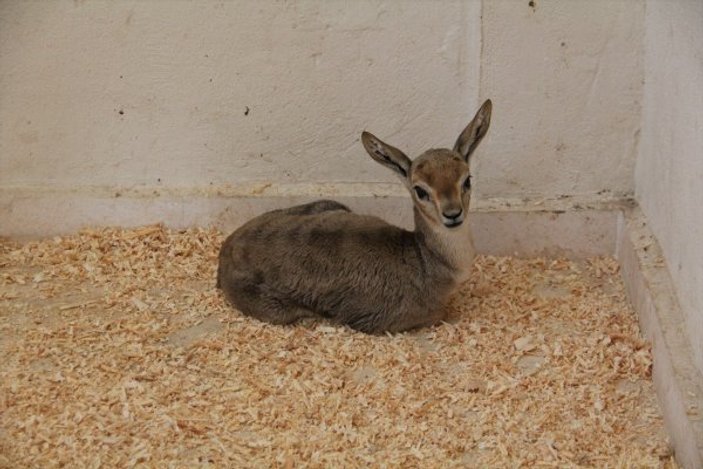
x,y
119,352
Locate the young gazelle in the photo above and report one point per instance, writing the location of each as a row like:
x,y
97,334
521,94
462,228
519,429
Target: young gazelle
x,y
322,260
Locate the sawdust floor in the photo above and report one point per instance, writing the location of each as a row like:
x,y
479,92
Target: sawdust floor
x,y
117,351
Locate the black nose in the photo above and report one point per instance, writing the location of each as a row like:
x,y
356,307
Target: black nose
x,y
452,214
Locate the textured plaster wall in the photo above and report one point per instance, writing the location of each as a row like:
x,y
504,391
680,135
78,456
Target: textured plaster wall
x,y
214,93
125,112
566,79
669,173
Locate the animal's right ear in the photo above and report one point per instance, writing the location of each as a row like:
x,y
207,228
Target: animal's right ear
x,y
387,155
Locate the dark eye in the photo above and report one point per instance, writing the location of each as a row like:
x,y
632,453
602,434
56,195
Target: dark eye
x,y
421,193
467,183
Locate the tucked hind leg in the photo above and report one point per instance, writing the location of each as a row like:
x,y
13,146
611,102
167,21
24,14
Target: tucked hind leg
x,y
418,322
251,301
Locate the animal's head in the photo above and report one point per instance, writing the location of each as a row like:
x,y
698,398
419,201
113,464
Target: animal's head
x,y
439,180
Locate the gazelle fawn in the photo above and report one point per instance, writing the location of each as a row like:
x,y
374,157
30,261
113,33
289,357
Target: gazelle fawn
x,y
322,260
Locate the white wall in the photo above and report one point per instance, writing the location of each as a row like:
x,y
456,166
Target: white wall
x,y
148,101
132,94
566,78
669,173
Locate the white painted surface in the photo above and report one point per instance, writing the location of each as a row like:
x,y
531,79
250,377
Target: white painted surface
x,y
152,97
679,384
194,94
669,174
565,79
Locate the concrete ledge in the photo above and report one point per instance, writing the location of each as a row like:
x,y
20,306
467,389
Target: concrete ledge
x,y
568,226
550,233
678,383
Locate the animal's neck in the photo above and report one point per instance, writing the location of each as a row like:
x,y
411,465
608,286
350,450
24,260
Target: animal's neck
x,y
454,247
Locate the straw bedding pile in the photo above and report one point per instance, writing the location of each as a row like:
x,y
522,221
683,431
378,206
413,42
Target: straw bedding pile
x,y
118,351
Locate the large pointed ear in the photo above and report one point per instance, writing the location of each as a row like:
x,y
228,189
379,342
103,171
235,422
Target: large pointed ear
x,y
387,155
474,132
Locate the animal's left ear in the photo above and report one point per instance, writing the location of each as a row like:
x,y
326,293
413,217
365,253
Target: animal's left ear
x,y
474,132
